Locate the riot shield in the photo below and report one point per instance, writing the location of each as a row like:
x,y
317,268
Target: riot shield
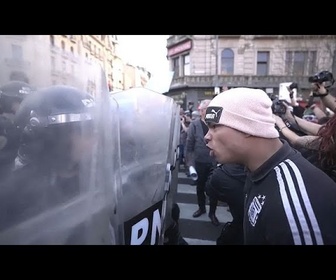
x,y
147,154
172,184
65,181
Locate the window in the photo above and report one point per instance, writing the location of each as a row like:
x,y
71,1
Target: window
x,y
52,40
300,63
72,49
262,63
17,52
176,66
312,62
63,45
227,59
186,65
288,63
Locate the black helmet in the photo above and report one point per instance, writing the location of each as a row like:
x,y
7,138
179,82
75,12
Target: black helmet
x,y
13,92
45,118
15,89
55,105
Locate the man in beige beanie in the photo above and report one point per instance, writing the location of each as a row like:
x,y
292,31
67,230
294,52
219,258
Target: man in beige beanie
x,y
287,199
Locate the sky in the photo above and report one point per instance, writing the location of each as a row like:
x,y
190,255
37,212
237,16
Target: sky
x,y
148,51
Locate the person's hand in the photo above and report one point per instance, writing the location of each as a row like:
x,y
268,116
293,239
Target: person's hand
x,y
288,115
279,121
187,119
319,89
291,92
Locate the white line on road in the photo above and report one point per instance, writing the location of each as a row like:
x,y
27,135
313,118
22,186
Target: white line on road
x,y
194,241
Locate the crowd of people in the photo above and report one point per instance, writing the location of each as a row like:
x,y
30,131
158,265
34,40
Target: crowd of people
x,y
276,171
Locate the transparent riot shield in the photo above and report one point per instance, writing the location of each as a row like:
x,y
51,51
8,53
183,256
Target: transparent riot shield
x,y
64,183
173,162
146,127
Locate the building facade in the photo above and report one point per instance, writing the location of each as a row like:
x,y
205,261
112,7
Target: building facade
x,y
203,63
135,76
62,59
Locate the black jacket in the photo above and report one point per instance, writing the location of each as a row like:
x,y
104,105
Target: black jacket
x,y
289,201
226,183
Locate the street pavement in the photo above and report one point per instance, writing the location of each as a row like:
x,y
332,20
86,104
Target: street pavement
x,y
197,231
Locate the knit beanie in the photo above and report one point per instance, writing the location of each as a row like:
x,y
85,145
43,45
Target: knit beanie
x,y
245,109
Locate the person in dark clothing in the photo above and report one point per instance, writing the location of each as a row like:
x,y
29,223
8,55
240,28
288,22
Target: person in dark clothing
x,y
172,234
197,155
288,200
226,183
9,144
11,96
185,121
52,160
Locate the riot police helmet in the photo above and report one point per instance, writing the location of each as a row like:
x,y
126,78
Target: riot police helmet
x,y
13,92
47,120
16,89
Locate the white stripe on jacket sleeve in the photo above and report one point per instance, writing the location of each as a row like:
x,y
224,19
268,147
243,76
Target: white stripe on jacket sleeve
x,y
298,209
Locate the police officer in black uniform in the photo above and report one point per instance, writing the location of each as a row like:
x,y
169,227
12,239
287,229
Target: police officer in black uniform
x,y
11,96
55,146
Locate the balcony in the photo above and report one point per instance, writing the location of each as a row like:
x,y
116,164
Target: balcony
x,y
237,81
175,39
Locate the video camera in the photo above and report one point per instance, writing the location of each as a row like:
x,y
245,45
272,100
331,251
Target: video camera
x,y
278,107
323,76
293,86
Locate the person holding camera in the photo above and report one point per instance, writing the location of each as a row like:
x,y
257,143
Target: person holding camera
x,y
321,84
288,200
319,142
298,110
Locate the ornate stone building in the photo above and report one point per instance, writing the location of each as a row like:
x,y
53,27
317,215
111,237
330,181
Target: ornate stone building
x,y
203,63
